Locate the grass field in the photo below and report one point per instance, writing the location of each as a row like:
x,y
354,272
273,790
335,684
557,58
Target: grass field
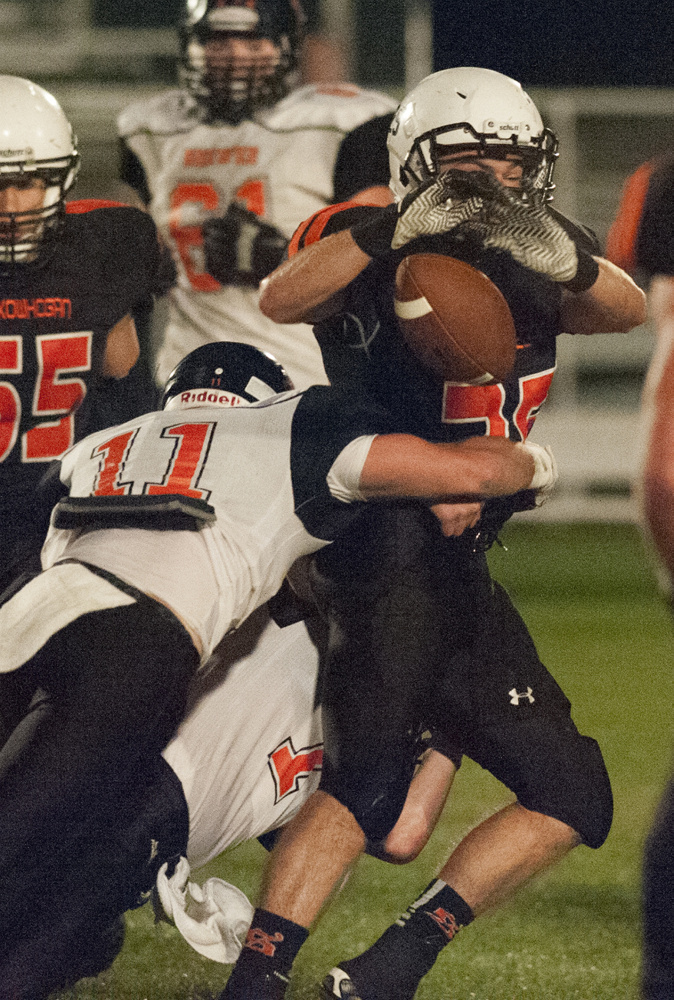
x,y
588,596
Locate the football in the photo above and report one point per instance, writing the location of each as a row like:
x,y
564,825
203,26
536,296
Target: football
x,y
454,319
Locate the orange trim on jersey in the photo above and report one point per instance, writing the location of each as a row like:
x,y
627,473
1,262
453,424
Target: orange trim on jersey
x,y
89,204
622,236
311,230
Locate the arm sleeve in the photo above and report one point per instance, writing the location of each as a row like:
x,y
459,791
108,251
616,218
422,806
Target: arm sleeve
x,y
362,159
325,422
344,476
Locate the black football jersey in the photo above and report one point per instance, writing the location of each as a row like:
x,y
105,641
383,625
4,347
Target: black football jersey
x,y
55,316
363,342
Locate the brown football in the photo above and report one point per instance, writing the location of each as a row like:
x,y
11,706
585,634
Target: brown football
x,y
455,319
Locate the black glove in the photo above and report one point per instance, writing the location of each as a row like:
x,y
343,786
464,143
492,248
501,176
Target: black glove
x,y
240,248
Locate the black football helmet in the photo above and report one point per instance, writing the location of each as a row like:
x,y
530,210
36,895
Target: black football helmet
x,y
228,92
228,373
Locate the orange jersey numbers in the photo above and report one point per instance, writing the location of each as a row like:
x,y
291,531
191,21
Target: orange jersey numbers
x,y
11,363
533,391
55,395
489,409
189,237
113,453
288,765
481,405
185,464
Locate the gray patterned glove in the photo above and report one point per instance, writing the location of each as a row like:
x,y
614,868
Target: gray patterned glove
x,y
474,202
439,205
526,230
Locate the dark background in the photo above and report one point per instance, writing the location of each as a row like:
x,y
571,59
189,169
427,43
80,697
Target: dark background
x,y
563,43
539,42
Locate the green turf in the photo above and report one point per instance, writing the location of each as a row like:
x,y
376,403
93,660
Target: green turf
x,y
588,596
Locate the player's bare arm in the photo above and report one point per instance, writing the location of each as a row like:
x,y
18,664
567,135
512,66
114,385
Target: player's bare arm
x,y
658,473
306,288
613,304
425,800
121,348
403,465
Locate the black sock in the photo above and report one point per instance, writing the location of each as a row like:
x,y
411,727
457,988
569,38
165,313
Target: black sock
x,y
392,968
262,968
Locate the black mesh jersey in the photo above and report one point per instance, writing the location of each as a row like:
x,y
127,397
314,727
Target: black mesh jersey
x,y
363,343
55,316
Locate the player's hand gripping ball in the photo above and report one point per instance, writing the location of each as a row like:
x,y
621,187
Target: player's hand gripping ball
x,y
455,319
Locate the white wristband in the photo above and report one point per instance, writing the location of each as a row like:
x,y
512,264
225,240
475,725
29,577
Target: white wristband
x,y
545,467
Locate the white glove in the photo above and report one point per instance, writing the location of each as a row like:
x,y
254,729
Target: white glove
x,y
545,470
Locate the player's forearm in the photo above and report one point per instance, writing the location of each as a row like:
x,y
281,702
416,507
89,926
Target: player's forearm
x,y
307,286
614,304
401,465
122,349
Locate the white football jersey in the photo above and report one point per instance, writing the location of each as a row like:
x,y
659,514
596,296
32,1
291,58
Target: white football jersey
x,y
266,485
279,165
249,751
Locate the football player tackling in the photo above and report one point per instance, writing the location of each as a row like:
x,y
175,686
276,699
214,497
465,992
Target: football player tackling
x,y
170,531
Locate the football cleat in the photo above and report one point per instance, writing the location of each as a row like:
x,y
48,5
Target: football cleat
x,y
338,983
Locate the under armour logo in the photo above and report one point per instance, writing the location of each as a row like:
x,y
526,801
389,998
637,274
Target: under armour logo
x,y
259,940
515,696
445,921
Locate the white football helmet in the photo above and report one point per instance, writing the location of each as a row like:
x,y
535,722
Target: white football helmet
x,y
36,142
467,108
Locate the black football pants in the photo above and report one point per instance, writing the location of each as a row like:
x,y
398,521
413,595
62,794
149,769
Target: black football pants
x,y
74,775
379,588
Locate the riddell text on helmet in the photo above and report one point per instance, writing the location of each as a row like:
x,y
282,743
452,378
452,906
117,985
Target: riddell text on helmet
x,y
211,396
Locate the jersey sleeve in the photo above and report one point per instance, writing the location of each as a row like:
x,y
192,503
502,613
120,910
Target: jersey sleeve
x,y
621,240
131,171
362,159
327,221
654,243
326,420
135,257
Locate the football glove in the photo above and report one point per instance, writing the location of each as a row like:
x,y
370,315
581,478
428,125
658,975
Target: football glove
x,y
514,220
439,205
545,470
531,235
240,248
